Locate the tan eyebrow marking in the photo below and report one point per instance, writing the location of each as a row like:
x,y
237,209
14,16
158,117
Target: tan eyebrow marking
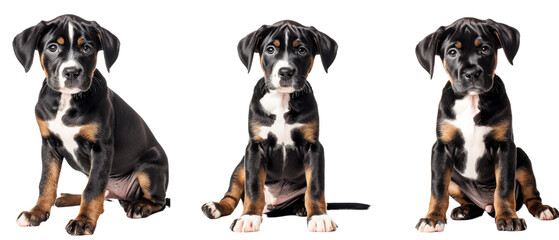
x,y
477,42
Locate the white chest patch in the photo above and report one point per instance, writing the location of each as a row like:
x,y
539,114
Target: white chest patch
x,y
64,132
465,110
278,104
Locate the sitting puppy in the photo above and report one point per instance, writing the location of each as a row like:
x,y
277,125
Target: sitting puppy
x,y
283,167
82,120
474,159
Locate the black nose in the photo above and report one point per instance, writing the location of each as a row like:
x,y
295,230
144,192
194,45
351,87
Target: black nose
x,y
286,73
71,73
471,74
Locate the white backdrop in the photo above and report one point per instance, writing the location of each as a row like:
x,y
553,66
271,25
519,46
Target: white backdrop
x,y
178,67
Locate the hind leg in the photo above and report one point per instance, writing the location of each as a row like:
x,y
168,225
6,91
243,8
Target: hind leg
x,y
153,178
467,210
228,203
68,200
526,179
153,182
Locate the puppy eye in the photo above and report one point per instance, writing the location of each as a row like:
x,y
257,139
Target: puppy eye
x,y
485,50
52,47
452,52
302,51
86,49
270,50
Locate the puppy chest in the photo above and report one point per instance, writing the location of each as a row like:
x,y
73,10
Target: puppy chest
x,y
473,135
67,133
276,104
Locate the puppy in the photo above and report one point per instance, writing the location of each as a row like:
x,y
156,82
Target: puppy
x,y
283,167
81,120
475,159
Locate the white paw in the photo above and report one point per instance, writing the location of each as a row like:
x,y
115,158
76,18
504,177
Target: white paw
x,y
209,208
23,221
321,223
424,227
546,215
247,223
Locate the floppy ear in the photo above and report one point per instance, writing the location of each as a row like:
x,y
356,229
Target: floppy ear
x,y
247,46
25,44
327,47
109,44
509,38
428,48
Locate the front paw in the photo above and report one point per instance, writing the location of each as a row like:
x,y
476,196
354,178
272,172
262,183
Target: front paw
x,y
32,218
247,223
546,212
321,223
430,225
510,224
80,227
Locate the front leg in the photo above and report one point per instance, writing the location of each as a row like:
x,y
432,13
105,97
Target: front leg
x,y
52,162
317,219
441,172
91,205
254,201
505,199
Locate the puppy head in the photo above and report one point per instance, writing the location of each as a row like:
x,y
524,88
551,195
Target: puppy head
x,y
468,50
68,47
287,50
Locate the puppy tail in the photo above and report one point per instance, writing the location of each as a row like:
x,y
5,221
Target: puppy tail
x,y
347,206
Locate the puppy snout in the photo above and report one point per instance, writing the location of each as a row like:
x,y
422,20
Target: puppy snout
x,y
286,73
71,73
471,74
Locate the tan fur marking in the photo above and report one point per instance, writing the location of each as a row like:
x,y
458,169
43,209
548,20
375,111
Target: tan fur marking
x,y
309,131
256,207
255,129
277,43
145,184
48,196
500,131
528,186
89,132
232,197
447,131
296,43
438,207
262,65
477,42
310,67
504,208
80,41
67,200
60,41
43,127
94,64
90,211
313,207
458,45
450,76
457,194
43,64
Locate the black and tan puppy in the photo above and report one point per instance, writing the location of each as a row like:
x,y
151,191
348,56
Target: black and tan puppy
x,y
81,120
283,167
474,159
